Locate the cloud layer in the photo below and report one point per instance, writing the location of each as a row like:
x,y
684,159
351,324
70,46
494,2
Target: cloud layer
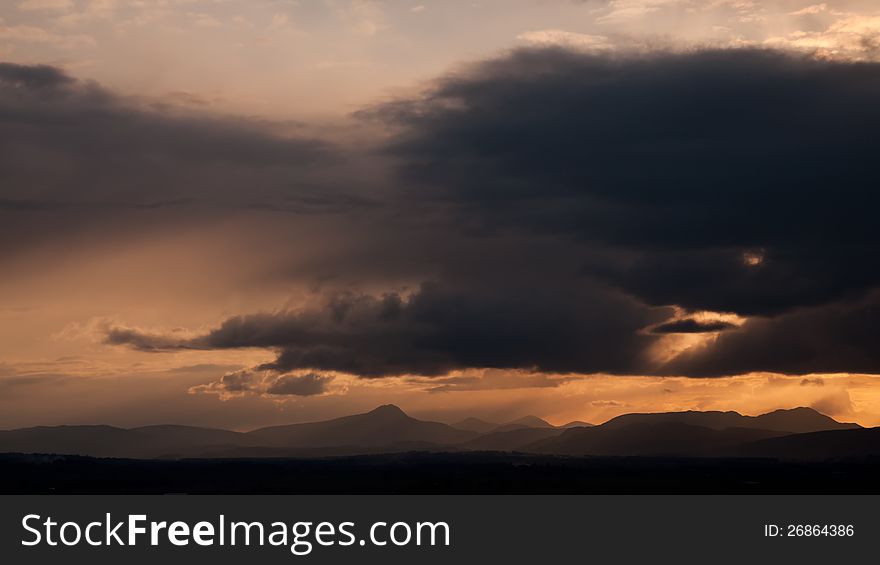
x,y
433,331
76,158
737,180
548,210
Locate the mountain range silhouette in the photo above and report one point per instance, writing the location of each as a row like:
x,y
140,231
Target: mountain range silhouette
x,y
800,433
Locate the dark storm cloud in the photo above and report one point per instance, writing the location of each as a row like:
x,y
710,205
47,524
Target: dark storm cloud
x,y
832,339
146,341
436,330
34,77
692,326
74,158
682,163
45,113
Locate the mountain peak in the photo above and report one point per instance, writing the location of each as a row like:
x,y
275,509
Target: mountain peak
x,y
524,422
577,424
801,419
798,413
804,410
388,410
531,421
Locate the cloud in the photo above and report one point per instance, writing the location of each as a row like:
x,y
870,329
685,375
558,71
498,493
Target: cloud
x,y
437,331
145,340
691,325
607,403
838,338
670,167
78,159
432,332
365,17
32,34
266,383
48,102
94,10
48,5
623,10
308,384
851,36
567,39
205,20
542,212
493,380
39,78
811,10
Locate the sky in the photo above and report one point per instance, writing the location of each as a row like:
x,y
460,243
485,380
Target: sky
x,y
237,214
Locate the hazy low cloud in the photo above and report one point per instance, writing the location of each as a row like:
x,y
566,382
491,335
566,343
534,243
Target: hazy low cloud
x,y
493,380
561,38
266,383
848,36
49,5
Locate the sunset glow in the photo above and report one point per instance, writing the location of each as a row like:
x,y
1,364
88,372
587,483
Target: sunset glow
x,y
238,214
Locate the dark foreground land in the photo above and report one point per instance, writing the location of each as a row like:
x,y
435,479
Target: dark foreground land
x,y
437,473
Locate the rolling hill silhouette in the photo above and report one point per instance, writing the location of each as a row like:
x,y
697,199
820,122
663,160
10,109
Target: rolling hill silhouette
x,y
576,424
385,425
108,441
510,440
664,438
818,445
522,423
800,433
796,420
689,434
475,425
99,441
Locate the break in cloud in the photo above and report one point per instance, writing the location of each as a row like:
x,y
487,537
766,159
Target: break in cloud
x,y
551,210
692,326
